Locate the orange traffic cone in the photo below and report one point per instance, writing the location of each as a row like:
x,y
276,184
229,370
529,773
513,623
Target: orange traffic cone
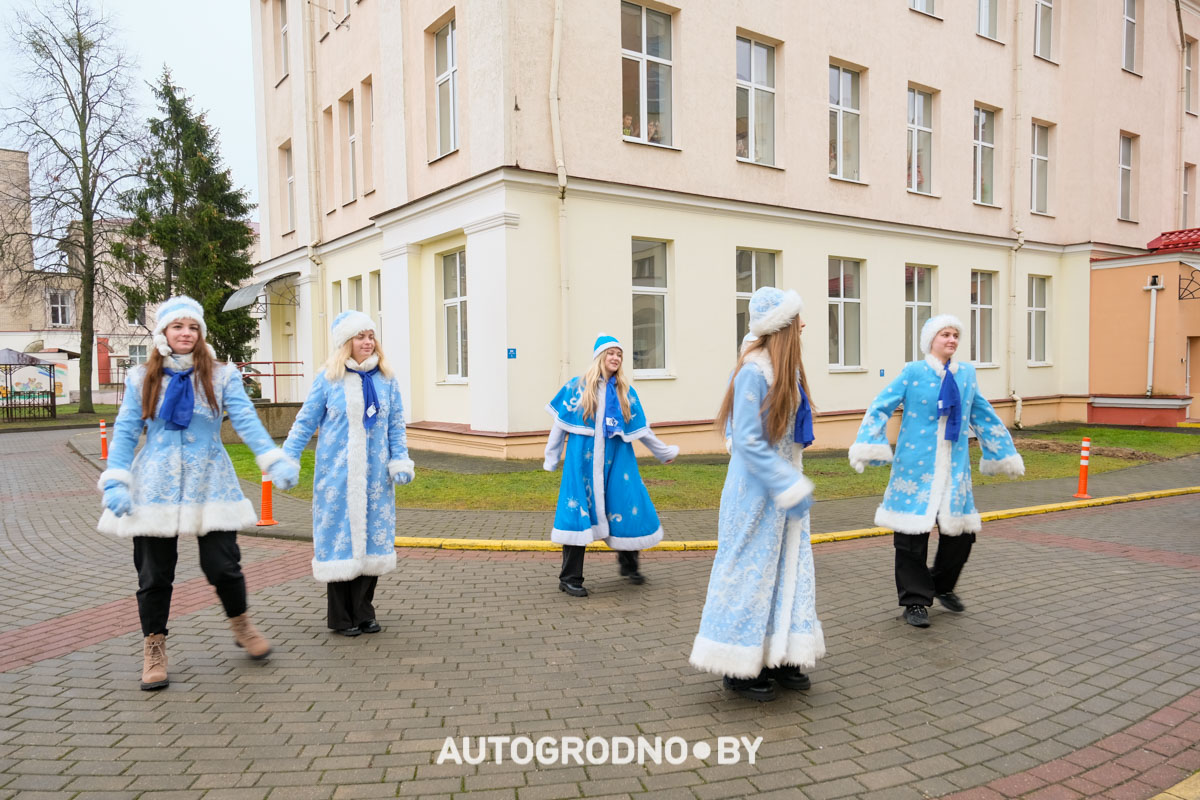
x,y
1085,449
103,442
267,509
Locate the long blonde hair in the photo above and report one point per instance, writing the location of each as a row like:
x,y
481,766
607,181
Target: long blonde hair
x,y
783,398
591,386
335,367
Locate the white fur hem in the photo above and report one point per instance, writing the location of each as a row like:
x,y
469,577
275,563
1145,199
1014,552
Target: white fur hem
x,y
171,520
747,661
792,495
123,476
1013,466
778,317
635,542
862,455
356,469
763,361
270,457
803,649
349,568
559,536
400,466
923,523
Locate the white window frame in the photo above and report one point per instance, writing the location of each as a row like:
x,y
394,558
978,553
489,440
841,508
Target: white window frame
x,y
449,75
912,309
351,147
988,22
289,172
977,309
1036,314
643,58
924,6
135,315
981,148
915,129
335,290
283,40
840,110
1189,72
656,291
1125,179
459,303
60,303
1129,35
1185,210
1039,164
755,283
839,303
140,356
752,88
1043,16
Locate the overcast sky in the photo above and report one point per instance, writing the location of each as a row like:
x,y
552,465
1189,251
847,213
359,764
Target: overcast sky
x,y
206,45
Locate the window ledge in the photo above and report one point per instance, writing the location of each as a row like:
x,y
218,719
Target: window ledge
x,y
925,194
847,370
983,366
1047,59
443,155
324,36
652,375
453,382
290,232
331,211
1130,221
1039,364
350,202
986,205
368,192
281,80
631,140
840,179
1131,72
741,160
989,38
925,14
1041,214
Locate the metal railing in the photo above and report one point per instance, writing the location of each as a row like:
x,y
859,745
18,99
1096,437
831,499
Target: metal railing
x,y
252,374
27,405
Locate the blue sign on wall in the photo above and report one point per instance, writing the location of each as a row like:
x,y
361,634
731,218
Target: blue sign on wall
x,y
512,352
881,373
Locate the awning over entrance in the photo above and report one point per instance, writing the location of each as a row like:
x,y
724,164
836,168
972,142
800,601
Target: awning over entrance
x,y
246,295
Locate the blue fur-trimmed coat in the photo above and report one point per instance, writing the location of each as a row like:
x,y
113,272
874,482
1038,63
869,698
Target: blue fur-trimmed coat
x,y
602,495
182,482
761,605
931,477
354,500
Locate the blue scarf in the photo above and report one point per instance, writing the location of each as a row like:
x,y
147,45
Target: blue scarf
x,y
370,399
950,405
614,420
179,401
803,432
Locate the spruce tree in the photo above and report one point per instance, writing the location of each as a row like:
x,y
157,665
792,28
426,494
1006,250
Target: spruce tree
x,y
188,233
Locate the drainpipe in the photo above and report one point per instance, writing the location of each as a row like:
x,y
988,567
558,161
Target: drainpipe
x,y
560,168
1181,108
1015,223
314,171
1154,287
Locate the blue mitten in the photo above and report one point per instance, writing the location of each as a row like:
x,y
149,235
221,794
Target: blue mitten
x,y
284,473
402,478
117,499
800,509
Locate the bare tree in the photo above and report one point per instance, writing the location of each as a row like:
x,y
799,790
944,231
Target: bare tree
x,y
74,115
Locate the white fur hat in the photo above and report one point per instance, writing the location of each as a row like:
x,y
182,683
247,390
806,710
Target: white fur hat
x,y
772,309
171,309
934,325
349,324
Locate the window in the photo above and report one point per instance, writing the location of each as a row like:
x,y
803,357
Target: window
x,y
649,305
376,299
1185,206
1037,318
755,268
1189,72
454,312
346,8
646,74
1125,211
985,155
328,162
1129,46
845,313
843,122
350,156
920,141
755,124
367,93
135,313
1039,166
289,187
987,23
60,307
445,57
355,300
281,49
924,6
981,317
137,354
336,292
918,307
1043,28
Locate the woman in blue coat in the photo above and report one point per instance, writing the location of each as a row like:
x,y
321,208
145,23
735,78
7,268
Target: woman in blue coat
x,y
182,482
361,452
931,472
602,495
759,626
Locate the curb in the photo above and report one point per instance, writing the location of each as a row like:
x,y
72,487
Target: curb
x,y
538,545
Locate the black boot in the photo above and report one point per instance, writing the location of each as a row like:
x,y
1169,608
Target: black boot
x,y
760,689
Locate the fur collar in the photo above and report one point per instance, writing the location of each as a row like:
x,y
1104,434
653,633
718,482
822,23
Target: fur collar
x,y
369,363
762,359
940,368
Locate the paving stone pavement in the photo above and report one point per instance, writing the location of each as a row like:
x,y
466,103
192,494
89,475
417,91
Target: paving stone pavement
x,y
1073,674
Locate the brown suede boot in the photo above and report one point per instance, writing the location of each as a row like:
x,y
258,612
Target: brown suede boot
x,y
154,662
247,636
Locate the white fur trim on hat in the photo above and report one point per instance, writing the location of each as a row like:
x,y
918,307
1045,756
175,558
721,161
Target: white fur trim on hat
x,y
605,342
349,324
181,307
783,306
934,325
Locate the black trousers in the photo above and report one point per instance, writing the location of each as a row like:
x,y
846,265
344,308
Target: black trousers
x,y
572,566
916,583
351,603
155,558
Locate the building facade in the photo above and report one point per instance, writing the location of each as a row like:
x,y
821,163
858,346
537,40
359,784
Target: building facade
x,y
498,181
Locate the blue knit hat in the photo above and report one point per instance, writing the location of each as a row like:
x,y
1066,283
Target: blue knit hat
x,y
349,324
604,342
772,309
171,309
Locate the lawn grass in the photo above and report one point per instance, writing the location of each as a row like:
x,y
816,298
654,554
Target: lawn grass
x,y
675,487
68,414
1162,443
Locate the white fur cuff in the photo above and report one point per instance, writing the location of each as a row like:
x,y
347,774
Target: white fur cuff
x,y
671,454
268,458
862,455
794,493
401,466
119,475
1013,466
550,464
